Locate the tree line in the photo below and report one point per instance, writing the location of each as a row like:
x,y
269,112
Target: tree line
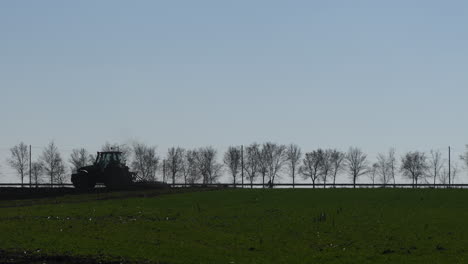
x,y
255,163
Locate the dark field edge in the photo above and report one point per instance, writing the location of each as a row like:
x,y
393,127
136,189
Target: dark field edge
x,y
11,198
12,193
25,257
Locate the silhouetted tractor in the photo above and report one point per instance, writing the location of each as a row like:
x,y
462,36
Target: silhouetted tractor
x,y
108,169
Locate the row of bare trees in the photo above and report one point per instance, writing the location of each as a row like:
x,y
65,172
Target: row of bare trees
x,y
415,166
50,164
192,166
256,162
268,161
419,167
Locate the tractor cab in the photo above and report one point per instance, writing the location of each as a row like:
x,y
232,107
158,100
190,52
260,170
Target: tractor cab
x,y
103,159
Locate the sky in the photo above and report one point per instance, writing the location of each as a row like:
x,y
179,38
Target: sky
x,y
372,74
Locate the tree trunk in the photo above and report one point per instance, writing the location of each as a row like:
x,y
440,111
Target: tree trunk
x,y
293,181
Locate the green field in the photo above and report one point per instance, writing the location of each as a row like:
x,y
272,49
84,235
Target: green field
x,y
245,226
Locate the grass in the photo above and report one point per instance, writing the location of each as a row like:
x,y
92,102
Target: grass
x,y
247,226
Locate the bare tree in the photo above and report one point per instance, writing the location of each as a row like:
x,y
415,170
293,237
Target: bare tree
x,y
190,170
275,157
208,167
311,165
175,162
53,164
445,175
145,162
337,158
60,176
392,164
263,164
326,165
356,163
232,160
242,171
293,157
164,171
414,166
383,168
80,158
453,173
184,171
436,164
37,170
19,160
373,172
252,162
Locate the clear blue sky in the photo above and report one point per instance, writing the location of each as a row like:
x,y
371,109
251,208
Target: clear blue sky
x,y
373,74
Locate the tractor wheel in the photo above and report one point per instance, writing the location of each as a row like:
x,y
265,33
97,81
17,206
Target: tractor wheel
x,y
117,178
83,181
